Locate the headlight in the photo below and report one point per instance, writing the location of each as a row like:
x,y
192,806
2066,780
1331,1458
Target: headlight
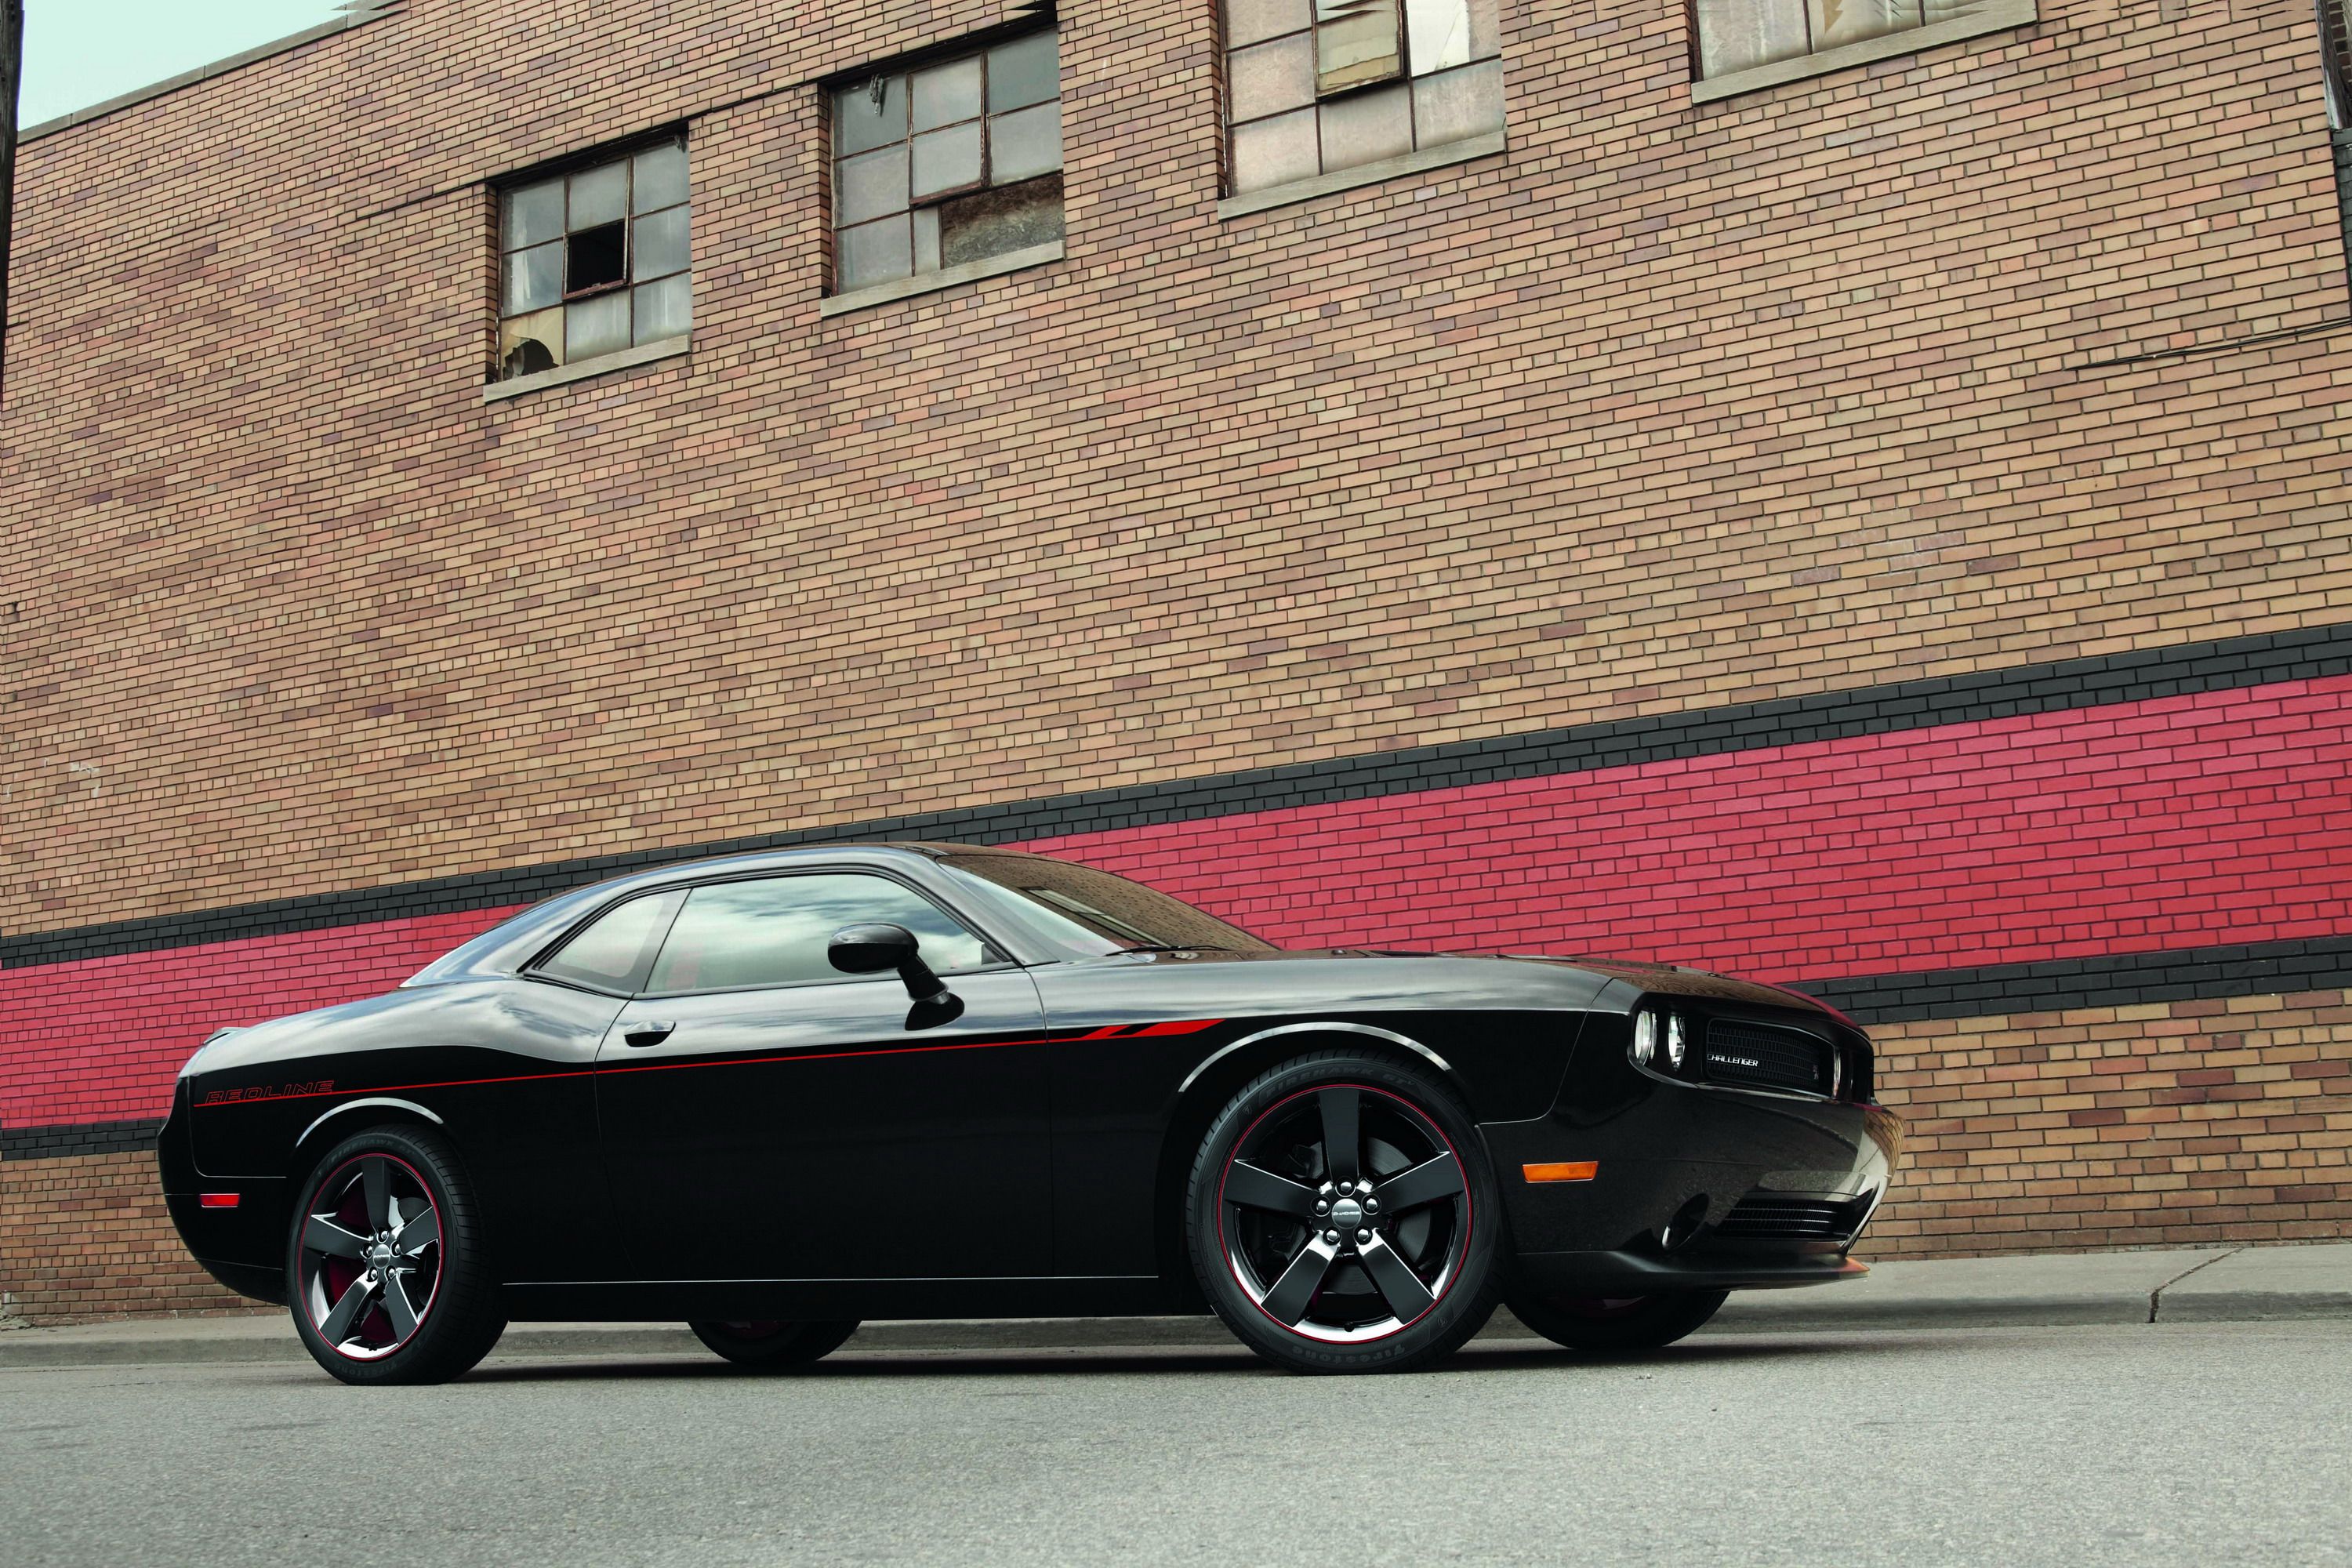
x,y
1645,1037
1675,1041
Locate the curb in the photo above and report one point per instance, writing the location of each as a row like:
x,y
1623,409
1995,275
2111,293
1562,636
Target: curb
x,y
30,1349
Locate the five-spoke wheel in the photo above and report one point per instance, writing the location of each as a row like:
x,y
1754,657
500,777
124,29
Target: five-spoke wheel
x,y
382,1267
1336,1216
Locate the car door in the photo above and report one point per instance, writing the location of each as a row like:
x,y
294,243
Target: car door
x,y
764,1117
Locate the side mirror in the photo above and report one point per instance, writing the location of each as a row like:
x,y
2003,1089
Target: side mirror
x,y
871,949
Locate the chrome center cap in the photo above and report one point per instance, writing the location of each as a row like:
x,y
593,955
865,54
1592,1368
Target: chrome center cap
x,y
1347,1214
380,1256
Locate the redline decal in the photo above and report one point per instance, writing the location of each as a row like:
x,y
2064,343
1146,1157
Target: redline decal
x,y
326,1086
268,1091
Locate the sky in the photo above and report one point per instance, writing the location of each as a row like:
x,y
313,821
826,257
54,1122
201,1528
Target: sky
x,y
80,52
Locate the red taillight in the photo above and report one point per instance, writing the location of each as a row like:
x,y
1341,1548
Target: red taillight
x,y
218,1200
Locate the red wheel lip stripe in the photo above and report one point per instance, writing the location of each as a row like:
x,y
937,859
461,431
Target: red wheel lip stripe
x,y
1109,1032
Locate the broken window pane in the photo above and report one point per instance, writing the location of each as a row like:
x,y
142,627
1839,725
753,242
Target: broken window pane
x,y
926,239
1024,143
1368,128
945,94
1254,21
873,253
594,257
1734,34
1272,77
599,195
1355,42
534,278
534,214
660,179
1007,217
1437,34
1275,152
1022,72
598,326
946,159
870,185
869,114
1456,105
663,309
529,344
660,245
1836,22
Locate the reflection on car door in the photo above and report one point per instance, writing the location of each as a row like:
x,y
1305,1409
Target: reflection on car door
x,y
792,1123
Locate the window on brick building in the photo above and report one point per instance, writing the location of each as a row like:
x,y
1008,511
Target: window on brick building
x,y
1737,35
1318,87
947,163
594,261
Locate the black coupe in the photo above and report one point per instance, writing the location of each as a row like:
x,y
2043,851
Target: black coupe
x,y
775,1094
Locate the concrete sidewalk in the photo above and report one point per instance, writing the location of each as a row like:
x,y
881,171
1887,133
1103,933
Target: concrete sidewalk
x,y
2204,1285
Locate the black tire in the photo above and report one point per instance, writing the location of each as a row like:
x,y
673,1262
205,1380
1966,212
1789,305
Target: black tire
x,y
773,1346
1618,1323
420,1236
1346,1301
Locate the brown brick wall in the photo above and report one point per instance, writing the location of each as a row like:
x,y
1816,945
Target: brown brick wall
x,y
1666,407
88,1237
2168,1124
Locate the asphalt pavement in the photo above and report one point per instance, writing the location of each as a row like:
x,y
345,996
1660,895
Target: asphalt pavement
x,y
2104,1443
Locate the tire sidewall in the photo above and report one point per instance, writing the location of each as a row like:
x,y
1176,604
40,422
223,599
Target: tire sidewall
x,y
457,1319
1468,1301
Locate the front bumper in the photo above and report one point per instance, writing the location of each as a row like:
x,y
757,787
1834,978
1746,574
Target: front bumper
x,y
1693,1187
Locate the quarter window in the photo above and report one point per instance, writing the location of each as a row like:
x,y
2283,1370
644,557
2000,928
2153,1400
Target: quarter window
x,y
947,163
613,950
594,261
1315,87
774,930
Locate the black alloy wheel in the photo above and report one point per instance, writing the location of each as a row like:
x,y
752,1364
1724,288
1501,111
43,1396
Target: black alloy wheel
x,y
1342,1216
383,1270
1618,1323
776,1344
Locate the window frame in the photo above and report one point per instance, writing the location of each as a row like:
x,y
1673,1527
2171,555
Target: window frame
x,y
976,44
623,151
1979,21
999,955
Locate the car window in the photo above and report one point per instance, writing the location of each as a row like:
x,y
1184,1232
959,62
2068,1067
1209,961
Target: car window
x,y
613,950
1111,912
773,930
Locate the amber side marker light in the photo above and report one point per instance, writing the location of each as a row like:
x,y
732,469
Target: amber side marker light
x,y
1563,1171
218,1200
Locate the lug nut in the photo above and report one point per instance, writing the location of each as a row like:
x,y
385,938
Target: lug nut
x,y
1331,1239
1322,1209
1371,1205
1362,1236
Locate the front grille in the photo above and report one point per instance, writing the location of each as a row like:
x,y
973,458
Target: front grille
x,y
1764,1218
1768,1057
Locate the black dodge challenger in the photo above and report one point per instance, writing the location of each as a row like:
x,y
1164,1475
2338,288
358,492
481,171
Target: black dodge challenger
x,y
775,1094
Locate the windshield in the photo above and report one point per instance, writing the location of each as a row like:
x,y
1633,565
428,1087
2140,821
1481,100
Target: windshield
x,y
1088,911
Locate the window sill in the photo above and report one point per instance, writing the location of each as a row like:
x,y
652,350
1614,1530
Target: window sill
x,y
644,353
1993,17
931,282
1361,174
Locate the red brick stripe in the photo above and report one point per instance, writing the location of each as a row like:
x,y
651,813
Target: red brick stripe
x,y
2178,822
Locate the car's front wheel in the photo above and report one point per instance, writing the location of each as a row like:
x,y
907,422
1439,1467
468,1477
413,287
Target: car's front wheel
x,y
1342,1216
773,1346
386,1269
1617,1322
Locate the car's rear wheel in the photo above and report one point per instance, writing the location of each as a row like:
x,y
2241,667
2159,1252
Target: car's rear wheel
x,y
776,1344
1617,1322
1341,1217
385,1265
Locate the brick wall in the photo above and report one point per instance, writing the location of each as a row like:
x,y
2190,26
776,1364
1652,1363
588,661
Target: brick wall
x,y
88,1237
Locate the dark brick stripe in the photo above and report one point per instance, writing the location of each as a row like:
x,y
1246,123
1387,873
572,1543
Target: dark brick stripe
x,y
89,1138
2117,982
2186,670
2118,979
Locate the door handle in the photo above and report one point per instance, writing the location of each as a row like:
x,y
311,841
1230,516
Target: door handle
x,y
646,1032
